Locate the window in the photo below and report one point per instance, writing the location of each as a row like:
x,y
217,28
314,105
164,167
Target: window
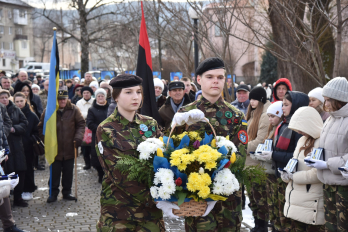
x,y
19,31
3,62
37,67
22,13
11,46
100,61
9,13
217,31
10,30
1,29
24,44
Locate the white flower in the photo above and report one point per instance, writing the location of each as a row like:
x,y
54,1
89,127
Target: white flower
x,y
154,192
144,156
225,182
170,188
156,181
162,193
217,189
222,141
149,147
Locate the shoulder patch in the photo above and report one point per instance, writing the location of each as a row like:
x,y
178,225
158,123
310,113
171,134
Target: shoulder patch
x,y
243,136
244,122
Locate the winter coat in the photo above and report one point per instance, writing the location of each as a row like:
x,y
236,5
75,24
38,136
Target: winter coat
x,y
16,159
242,106
281,81
112,107
96,114
167,113
281,157
75,99
35,100
33,121
70,128
160,101
5,120
334,140
84,105
261,134
43,97
304,194
4,192
71,92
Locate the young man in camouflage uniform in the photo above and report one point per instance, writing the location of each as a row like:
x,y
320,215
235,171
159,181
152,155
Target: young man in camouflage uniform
x,y
227,121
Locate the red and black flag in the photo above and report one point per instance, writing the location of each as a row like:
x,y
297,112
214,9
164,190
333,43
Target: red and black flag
x,y
144,70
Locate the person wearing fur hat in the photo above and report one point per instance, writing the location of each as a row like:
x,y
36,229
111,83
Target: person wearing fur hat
x,y
257,129
159,87
94,85
316,100
334,141
84,104
96,114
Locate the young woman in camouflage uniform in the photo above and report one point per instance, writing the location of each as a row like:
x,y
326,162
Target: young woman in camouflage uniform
x,y
334,140
125,205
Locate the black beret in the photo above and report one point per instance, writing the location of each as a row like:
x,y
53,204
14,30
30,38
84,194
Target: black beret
x,y
87,88
258,93
62,94
125,81
210,64
176,85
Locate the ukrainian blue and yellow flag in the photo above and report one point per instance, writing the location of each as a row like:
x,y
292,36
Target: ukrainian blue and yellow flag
x,y
50,122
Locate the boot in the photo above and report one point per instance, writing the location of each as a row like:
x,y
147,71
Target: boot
x,y
257,225
263,226
69,197
51,199
20,203
13,229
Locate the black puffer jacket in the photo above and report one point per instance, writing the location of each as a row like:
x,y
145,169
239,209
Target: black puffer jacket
x,y
281,157
96,114
6,120
16,160
33,121
3,124
75,99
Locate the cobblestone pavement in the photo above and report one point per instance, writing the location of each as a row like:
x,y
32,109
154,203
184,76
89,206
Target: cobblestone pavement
x,y
62,216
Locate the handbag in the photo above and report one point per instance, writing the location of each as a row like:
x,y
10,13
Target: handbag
x,y
38,146
87,137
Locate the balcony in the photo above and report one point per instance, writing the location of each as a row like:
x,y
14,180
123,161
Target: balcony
x,y
21,37
20,17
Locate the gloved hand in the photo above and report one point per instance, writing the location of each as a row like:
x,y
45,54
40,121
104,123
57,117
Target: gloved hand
x,y
194,116
167,208
345,173
318,164
286,176
14,183
179,119
5,182
78,142
210,207
264,156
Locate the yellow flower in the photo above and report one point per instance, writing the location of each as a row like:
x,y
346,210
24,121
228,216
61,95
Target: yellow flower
x,y
182,167
204,192
159,152
187,159
194,136
179,137
175,162
210,165
213,143
190,187
161,138
233,158
228,137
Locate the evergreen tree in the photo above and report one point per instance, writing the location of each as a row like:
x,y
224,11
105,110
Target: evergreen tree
x,y
268,68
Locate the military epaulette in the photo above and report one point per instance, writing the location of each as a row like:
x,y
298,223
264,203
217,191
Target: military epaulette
x,y
235,109
144,117
190,106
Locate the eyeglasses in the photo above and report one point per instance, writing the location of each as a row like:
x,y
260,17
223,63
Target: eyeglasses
x,y
78,89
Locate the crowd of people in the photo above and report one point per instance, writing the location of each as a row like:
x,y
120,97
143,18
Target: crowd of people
x,y
314,197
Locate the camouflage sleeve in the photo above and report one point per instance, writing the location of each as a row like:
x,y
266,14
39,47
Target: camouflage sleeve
x,y
240,138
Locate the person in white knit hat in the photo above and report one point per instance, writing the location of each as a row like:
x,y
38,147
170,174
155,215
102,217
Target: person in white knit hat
x,y
334,141
316,100
159,87
94,85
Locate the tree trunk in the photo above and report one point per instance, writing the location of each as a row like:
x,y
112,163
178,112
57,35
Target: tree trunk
x,y
84,39
338,40
283,37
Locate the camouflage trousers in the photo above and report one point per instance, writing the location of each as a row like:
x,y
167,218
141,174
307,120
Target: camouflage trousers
x,y
226,216
336,207
258,201
275,188
297,226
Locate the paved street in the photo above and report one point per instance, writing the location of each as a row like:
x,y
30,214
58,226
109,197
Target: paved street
x,y
67,215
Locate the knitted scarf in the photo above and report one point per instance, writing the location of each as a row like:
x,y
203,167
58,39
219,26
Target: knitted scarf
x,y
284,139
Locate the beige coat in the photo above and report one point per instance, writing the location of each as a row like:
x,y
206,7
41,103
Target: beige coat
x,y
334,139
304,194
261,134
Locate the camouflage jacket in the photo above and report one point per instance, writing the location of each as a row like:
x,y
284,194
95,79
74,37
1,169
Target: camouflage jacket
x,y
124,203
226,120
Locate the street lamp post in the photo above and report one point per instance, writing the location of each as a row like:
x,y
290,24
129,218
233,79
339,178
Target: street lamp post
x,y
193,15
